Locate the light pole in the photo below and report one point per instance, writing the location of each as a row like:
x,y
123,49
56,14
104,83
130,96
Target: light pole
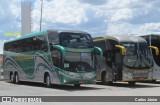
x,y
41,14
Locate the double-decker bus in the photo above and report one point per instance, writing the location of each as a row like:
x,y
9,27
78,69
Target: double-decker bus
x,y
51,57
125,58
154,40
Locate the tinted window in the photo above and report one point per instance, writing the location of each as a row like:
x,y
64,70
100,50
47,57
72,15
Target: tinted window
x,y
53,37
111,51
76,40
28,44
101,44
9,47
111,44
155,41
40,43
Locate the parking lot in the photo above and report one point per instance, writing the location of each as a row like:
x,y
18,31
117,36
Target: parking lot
x,y
117,89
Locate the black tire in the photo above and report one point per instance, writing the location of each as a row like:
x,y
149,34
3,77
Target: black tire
x,y
109,83
153,81
17,78
131,83
12,78
48,81
77,85
104,80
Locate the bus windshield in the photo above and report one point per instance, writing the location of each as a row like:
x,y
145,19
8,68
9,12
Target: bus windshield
x,y
155,41
78,62
137,55
76,40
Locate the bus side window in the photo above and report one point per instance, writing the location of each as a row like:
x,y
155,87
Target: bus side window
x,y
7,46
41,43
53,37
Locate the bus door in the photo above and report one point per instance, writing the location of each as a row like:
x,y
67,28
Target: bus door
x,y
118,64
100,64
56,56
112,58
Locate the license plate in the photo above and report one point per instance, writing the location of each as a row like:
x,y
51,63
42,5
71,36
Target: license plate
x,y
141,78
140,75
81,82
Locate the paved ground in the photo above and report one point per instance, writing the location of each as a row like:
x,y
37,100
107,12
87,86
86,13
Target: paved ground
x,y
118,89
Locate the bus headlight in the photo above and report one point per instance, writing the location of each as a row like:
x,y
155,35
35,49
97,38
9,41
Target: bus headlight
x,y
65,81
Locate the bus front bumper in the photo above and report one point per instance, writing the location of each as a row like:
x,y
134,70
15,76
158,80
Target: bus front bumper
x,y
78,78
137,75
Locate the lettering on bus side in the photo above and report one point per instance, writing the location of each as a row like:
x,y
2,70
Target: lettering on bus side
x,y
11,34
23,57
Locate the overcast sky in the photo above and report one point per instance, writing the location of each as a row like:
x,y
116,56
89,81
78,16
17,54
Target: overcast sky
x,y
97,17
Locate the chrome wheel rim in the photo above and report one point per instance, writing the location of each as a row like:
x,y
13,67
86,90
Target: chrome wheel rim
x,y
17,78
48,81
11,77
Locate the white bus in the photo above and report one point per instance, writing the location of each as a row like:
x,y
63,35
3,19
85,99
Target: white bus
x,y
125,58
154,40
51,57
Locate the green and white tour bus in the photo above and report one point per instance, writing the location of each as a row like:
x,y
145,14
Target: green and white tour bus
x,y
154,40
51,57
125,58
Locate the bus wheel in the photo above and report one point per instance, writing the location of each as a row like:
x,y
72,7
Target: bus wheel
x,y
131,83
12,78
103,78
154,81
48,81
77,85
16,78
109,83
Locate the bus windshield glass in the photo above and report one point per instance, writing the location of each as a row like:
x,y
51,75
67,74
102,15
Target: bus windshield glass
x,y
137,55
76,40
155,41
80,62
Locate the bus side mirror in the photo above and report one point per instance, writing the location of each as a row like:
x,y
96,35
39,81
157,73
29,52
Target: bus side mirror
x,y
98,51
61,48
155,48
123,49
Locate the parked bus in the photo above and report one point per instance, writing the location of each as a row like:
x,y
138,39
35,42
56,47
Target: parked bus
x,y
154,40
51,57
125,58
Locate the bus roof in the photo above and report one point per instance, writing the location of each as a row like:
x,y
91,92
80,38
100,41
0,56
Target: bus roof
x,y
69,31
44,32
151,35
122,38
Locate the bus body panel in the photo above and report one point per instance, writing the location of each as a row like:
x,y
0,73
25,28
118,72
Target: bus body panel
x,y
41,65
154,40
33,65
104,69
136,74
112,64
156,71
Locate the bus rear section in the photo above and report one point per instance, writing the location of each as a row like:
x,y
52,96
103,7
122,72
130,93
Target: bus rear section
x,y
125,58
